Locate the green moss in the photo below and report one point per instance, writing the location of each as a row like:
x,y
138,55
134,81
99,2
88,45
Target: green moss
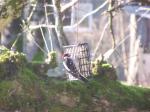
x,y
39,57
30,93
40,67
59,108
53,59
103,68
11,62
40,94
10,10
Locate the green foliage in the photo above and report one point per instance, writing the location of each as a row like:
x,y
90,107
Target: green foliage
x,y
40,67
28,92
39,57
53,59
10,10
11,62
103,68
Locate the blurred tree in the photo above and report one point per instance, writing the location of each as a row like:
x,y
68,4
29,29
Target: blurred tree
x,y
9,10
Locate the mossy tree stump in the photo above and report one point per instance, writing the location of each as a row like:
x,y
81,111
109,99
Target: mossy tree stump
x,y
12,63
103,68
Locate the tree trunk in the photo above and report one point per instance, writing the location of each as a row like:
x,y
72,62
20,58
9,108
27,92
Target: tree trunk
x,y
134,48
111,5
122,35
59,25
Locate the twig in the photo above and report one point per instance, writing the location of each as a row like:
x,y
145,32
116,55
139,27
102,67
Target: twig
x,y
100,40
67,6
47,23
59,24
44,39
47,5
114,8
123,40
111,4
29,18
27,30
122,60
74,25
37,43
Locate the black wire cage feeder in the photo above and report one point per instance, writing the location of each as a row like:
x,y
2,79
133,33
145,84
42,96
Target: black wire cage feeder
x,y
81,55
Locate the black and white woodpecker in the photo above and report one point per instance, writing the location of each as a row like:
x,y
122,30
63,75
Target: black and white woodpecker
x,y
71,68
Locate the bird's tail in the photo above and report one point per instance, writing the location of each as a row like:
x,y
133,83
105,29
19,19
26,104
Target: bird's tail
x,y
79,76
82,78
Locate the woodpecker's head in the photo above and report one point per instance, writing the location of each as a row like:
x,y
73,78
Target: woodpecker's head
x,y
66,55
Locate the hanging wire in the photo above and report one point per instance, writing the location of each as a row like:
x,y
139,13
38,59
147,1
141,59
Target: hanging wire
x,y
125,38
128,58
77,34
100,39
26,30
75,24
44,39
37,43
128,29
15,42
49,32
120,43
33,10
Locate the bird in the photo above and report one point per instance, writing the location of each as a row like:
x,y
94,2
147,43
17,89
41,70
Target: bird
x,y
71,68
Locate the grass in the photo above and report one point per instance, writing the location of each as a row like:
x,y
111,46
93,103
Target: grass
x,y
27,91
39,56
30,93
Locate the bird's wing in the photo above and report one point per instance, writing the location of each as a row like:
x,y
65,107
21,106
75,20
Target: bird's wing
x,y
66,67
71,68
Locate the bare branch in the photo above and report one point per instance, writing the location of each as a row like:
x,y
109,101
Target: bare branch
x,y
44,39
100,40
76,24
59,25
115,8
29,18
67,6
47,22
128,36
111,4
47,5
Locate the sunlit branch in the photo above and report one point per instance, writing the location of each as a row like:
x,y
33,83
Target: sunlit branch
x,y
68,5
111,4
128,36
101,38
76,24
44,39
47,5
47,23
29,18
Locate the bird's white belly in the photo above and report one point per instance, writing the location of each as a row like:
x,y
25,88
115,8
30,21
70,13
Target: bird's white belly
x,y
70,77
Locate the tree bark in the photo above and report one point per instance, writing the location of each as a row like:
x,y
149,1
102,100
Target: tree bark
x,y
59,24
111,5
134,49
123,48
